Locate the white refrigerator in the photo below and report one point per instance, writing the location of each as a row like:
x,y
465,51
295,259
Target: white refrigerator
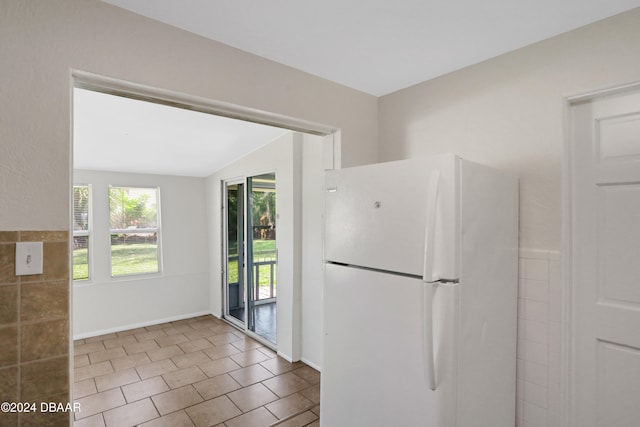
x,y
420,296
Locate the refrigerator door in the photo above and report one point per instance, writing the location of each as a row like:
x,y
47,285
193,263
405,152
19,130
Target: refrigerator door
x,y
374,370
376,216
489,297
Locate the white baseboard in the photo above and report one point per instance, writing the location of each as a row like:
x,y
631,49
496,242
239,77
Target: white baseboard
x,y
313,365
285,357
139,325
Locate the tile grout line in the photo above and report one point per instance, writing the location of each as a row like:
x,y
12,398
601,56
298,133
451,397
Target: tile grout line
x,y
269,356
287,418
148,397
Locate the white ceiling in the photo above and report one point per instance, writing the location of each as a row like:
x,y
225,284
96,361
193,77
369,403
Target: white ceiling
x,y
377,46
125,135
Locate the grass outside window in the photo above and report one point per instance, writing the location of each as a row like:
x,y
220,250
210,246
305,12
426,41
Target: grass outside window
x,y
134,230
125,260
80,264
263,250
134,258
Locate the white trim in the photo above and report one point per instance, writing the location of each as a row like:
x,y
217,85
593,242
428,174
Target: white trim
x,y
285,357
533,253
598,93
70,303
566,255
337,150
141,325
566,306
311,364
133,230
224,191
98,83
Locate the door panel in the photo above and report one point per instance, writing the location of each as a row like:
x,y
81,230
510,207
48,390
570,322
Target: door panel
x,y
615,136
261,255
618,385
619,234
605,330
234,253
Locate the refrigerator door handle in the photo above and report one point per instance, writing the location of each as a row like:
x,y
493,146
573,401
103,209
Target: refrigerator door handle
x,y
429,278
430,228
429,347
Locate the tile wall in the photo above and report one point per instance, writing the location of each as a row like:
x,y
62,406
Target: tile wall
x,y
34,329
538,391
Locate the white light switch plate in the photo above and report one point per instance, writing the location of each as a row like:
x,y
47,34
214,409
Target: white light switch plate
x,y
28,258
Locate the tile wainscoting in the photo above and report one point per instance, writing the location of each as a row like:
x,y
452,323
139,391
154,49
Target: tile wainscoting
x,y
538,389
34,329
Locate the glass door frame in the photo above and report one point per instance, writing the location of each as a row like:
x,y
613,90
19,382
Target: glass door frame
x,y
262,319
248,318
242,271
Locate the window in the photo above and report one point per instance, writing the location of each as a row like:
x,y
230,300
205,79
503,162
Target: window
x,y
81,231
134,230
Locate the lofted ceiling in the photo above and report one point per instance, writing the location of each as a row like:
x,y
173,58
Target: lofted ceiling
x,y
113,133
377,46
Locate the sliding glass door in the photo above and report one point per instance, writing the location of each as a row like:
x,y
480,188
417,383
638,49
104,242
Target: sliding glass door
x,y
234,254
261,255
251,255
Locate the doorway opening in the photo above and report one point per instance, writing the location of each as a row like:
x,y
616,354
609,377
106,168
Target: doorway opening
x,y
251,254
113,305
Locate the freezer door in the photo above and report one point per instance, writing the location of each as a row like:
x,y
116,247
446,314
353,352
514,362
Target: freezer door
x,y
376,215
374,371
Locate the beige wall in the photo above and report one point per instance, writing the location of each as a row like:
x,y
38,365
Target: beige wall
x,y
103,304
42,41
297,160
509,112
282,156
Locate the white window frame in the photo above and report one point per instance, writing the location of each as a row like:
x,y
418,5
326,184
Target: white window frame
x,y
155,229
84,233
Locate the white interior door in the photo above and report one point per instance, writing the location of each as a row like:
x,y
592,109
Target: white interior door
x,y
605,258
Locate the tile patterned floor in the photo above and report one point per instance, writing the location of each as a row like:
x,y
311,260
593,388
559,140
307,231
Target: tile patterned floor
x,y
193,372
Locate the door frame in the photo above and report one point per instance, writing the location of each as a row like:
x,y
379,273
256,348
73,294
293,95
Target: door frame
x,y
567,305
99,83
225,247
244,325
249,254
113,86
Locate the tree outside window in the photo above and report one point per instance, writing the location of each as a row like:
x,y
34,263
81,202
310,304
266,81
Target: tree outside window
x,y
134,229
